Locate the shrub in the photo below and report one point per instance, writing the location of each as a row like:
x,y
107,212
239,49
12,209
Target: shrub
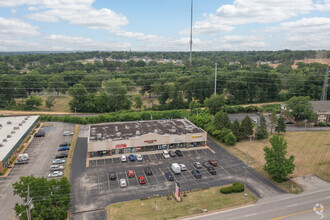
x,y
230,139
4,171
321,124
21,148
13,159
237,187
226,190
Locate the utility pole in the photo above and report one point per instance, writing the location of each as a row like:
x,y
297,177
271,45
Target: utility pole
x,y
247,163
191,19
325,86
215,79
29,200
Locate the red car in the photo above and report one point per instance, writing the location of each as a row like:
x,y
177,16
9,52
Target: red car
x,y
130,173
213,163
142,180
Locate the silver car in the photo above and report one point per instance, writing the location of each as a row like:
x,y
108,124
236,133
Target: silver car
x,y
122,183
183,167
55,174
139,157
123,158
67,133
58,161
197,165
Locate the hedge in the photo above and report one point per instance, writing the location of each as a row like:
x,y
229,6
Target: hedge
x,y
226,190
236,187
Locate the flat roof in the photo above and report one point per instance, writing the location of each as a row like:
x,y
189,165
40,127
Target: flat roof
x,y
11,131
127,130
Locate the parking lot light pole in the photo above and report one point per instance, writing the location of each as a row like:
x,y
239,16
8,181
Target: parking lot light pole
x,y
247,163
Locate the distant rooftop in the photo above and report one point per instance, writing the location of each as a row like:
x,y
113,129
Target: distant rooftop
x,y
126,130
11,131
321,106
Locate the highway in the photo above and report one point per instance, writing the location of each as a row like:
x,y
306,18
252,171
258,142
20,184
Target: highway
x,y
306,206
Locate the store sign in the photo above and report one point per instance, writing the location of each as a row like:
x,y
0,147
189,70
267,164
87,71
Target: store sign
x,y
197,136
150,141
121,146
178,140
322,118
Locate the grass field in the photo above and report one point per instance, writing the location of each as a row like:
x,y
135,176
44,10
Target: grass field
x,y
194,203
311,151
67,169
61,104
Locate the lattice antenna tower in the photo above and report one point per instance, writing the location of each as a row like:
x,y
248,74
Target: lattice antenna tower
x,y
325,85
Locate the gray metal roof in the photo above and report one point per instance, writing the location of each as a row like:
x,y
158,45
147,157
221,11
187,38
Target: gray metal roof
x,y
126,130
321,106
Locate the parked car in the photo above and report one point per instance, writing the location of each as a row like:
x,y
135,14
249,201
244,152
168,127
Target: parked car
x,y
179,153
64,144
171,153
63,149
130,173
183,167
112,176
213,163
196,174
122,183
67,133
212,170
206,164
169,176
61,155
165,154
175,167
197,165
255,120
289,122
58,161
23,156
139,157
55,174
40,133
123,158
19,162
142,180
56,167
131,157
148,171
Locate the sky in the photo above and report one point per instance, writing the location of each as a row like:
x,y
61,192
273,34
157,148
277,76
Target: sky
x,y
164,25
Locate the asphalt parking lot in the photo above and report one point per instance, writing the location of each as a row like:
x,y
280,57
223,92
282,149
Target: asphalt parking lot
x,y
42,152
92,189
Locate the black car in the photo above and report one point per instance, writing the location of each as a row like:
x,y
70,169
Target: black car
x,y
19,162
171,153
40,133
178,152
112,176
206,164
196,174
148,171
64,144
289,122
212,170
61,155
169,176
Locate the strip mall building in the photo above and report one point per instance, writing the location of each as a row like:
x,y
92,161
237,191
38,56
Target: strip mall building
x,y
140,136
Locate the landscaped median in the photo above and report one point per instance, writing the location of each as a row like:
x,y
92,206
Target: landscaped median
x,y
70,155
167,208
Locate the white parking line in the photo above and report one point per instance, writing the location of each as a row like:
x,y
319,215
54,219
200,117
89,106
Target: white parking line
x,y
292,205
108,180
112,162
251,214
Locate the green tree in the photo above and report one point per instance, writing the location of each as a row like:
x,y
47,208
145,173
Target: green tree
x,y
221,120
80,99
215,103
237,130
247,127
300,108
50,102
33,102
194,107
281,126
50,198
261,131
57,84
118,94
230,139
273,121
277,165
138,101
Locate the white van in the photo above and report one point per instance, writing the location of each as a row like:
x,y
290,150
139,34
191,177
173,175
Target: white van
x,y
24,156
175,167
165,154
56,167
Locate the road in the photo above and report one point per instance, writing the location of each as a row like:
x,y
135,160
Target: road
x,y
282,207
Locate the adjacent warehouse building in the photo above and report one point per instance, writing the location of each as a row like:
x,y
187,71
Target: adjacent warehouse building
x,y
139,136
13,130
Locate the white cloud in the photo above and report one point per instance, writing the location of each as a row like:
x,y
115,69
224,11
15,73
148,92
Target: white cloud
x,y
239,42
16,29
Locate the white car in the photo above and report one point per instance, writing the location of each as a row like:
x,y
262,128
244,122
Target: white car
x,y
183,167
67,133
56,167
123,158
139,157
255,120
122,183
58,161
55,174
166,154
